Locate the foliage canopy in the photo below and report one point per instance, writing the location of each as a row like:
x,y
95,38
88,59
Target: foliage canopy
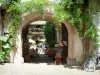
x,y
76,12
80,14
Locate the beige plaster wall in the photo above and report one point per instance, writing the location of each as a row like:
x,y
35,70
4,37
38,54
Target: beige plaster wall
x,y
78,48
75,46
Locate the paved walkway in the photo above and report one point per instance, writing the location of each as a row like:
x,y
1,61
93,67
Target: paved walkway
x,y
42,69
43,65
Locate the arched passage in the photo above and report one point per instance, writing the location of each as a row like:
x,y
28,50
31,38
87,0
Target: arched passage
x,y
33,18
27,19
33,44
71,59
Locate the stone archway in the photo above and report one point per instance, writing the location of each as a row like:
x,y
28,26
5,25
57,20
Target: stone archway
x,y
71,60
27,19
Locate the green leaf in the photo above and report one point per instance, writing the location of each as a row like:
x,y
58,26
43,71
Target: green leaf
x,y
6,46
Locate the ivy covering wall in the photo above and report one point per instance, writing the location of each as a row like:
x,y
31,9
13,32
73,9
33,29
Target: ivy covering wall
x,y
15,9
80,14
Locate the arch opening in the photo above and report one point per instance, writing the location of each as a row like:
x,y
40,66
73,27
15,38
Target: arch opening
x,y
33,43
48,17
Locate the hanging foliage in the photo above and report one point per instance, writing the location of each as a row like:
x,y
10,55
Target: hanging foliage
x,y
34,6
16,9
78,13
15,12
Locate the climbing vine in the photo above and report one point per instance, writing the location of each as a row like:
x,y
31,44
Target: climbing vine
x,y
16,8
76,12
15,12
79,14
34,6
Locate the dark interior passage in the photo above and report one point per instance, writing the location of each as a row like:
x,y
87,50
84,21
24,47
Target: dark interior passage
x,y
65,42
40,58
25,44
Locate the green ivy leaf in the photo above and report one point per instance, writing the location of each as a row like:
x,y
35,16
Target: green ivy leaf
x,y
6,46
